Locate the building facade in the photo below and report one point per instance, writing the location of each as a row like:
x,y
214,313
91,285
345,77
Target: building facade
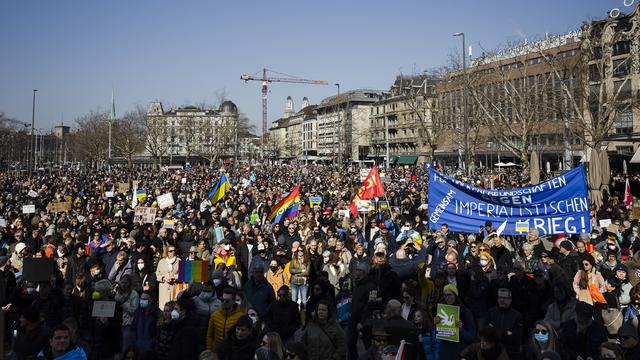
x,y
192,134
405,119
343,125
292,136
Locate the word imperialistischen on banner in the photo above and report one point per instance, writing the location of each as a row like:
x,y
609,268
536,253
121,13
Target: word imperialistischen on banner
x,y
557,206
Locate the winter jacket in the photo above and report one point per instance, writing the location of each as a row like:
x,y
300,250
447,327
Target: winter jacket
x,y
283,318
260,295
509,324
299,272
324,341
29,342
144,326
452,350
277,279
557,313
219,325
185,341
233,349
74,354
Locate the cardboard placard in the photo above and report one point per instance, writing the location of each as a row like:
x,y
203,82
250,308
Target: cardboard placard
x,y
38,269
123,187
105,309
28,209
61,206
636,213
144,214
165,201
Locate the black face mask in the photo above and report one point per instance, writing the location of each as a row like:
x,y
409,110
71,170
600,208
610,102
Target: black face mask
x,y
273,268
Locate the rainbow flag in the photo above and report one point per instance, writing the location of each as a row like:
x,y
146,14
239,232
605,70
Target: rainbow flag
x,y
287,207
193,271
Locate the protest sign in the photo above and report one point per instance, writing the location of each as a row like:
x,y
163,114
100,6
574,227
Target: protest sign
x,y
38,269
183,180
345,213
447,329
366,205
218,233
315,200
3,222
557,206
109,194
383,205
123,187
635,214
141,195
60,206
144,214
604,223
193,271
168,224
364,173
28,209
103,309
32,194
165,201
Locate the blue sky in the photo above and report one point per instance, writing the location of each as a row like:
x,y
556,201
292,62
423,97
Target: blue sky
x,y
181,52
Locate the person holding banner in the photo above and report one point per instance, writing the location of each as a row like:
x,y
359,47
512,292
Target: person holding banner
x,y
466,325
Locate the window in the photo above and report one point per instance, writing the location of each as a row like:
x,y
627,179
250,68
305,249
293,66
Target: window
x,y
621,47
620,67
625,91
623,123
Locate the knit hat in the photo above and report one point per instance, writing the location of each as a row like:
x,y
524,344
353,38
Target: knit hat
x,y
19,247
451,288
103,286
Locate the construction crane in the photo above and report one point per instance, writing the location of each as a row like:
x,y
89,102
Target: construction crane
x,y
265,89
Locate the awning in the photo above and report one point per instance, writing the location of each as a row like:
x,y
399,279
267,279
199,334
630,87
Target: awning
x,y
393,159
407,160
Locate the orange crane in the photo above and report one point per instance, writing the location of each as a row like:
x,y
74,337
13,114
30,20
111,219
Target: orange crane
x,y
265,89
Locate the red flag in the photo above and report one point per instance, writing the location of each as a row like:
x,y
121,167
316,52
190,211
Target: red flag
x,y
628,199
371,187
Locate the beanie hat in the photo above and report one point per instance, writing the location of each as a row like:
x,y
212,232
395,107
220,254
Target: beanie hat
x,y
566,244
452,288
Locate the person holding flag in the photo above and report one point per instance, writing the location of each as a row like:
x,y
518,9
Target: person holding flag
x,y
220,189
371,188
288,207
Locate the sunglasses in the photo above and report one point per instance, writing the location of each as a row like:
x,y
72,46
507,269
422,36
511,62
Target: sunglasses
x,y
171,251
543,332
586,264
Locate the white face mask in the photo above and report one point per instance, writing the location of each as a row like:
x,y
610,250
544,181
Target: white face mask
x,y
217,282
254,318
484,262
226,247
238,302
140,266
175,315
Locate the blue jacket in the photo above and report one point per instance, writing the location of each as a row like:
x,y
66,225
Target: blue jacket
x,y
431,346
75,354
260,295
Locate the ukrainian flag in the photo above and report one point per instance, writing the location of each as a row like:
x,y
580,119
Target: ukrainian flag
x,y
287,207
221,188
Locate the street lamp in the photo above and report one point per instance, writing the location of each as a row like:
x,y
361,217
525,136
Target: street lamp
x,y
31,142
464,106
337,124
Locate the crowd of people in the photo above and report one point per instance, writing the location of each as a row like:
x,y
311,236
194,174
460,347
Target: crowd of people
x,y
319,285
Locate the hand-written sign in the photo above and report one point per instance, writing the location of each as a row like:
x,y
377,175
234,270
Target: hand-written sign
x,y
123,187
28,209
60,206
556,206
144,214
165,201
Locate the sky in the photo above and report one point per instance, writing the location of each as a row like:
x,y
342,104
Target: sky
x,y
189,52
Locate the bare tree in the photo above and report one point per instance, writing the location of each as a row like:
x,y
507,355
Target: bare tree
x,y
157,138
90,140
595,88
129,134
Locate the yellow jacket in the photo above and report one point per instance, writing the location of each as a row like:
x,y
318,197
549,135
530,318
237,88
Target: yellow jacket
x,y
219,325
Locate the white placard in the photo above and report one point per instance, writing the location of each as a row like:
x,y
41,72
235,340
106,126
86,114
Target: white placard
x,y
32,193
103,309
28,209
3,222
165,200
183,180
108,194
605,223
345,213
366,205
364,173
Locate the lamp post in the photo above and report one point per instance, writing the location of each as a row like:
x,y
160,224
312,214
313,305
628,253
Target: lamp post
x,y
467,161
386,138
337,124
32,153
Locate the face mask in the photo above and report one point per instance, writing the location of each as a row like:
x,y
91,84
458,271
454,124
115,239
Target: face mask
x,y
484,262
175,315
273,268
425,222
543,338
226,247
611,247
95,273
238,302
205,296
95,295
144,303
60,253
31,290
254,318
217,282
326,260
140,266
